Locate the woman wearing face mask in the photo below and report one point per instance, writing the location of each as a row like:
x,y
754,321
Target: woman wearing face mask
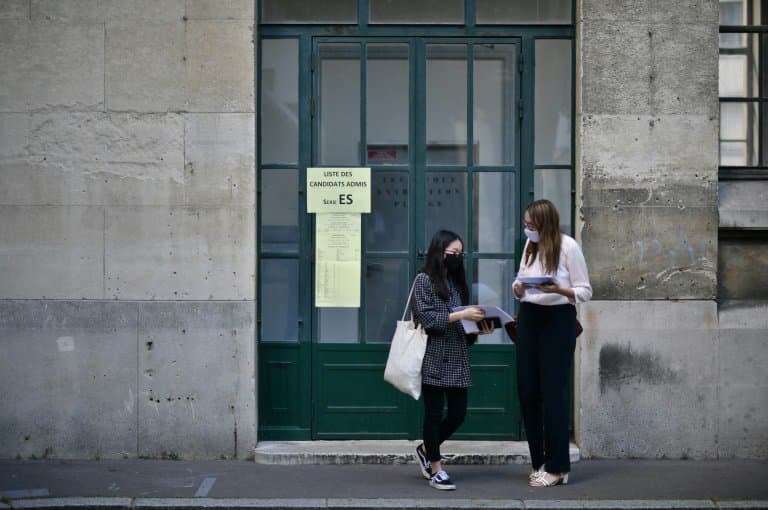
x,y
547,338
440,286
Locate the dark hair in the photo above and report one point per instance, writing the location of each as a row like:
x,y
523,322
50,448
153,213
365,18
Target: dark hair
x,y
434,267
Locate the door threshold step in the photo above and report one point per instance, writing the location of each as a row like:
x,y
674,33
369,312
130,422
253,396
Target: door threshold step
x,y
392,452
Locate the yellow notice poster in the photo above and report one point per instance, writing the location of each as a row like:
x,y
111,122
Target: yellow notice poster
x,y
338,190
337,260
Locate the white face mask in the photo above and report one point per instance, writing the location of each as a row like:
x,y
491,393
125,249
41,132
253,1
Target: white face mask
x,y
532,235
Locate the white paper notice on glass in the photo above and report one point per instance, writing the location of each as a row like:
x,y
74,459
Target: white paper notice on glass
x,y
493,314
337,260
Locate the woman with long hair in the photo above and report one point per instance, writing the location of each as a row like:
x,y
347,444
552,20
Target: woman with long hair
x,y
547,339
440,286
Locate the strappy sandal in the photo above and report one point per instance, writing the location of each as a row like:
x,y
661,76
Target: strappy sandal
x,y
536,473
541,480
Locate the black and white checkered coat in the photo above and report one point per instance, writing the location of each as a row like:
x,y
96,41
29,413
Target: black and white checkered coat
x,y
446,361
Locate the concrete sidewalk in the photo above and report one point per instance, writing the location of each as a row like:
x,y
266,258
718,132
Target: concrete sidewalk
x,y
602,484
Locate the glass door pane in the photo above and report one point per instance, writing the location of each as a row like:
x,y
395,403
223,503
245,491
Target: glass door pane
x,y
446,104
417,11
523,11
495,104
309,11
280,101
339,108
446,201
387,104
552,108
338,143
495,215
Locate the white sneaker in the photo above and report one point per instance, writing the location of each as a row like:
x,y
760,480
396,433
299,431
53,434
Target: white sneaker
x,y
441,481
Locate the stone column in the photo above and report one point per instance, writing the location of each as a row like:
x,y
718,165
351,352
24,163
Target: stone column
x,y
647,152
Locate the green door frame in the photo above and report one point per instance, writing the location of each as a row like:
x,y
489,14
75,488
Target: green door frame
x,y
286,402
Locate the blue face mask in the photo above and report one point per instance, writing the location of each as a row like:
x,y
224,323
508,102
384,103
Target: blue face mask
x,y
532,235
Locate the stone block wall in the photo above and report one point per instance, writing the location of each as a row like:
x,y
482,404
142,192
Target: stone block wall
x,y
663,369
127,228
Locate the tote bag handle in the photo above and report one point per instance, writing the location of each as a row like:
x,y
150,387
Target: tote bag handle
x,y
408,303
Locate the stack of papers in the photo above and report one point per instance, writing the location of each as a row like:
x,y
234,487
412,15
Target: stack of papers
x,y
492,313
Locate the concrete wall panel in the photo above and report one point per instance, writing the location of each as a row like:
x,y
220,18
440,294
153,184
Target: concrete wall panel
x,y
14,132
613,82
219,78
145,66
647,378
14,9
68,373
742,268
743,416
47,65
650,252
651,11
641,74
101,11
51,252
744,204
220,167
197,379
92,159
673,47
221,9
670,148
180,253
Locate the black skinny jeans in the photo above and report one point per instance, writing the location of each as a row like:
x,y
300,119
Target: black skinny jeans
x,y
436,428
547,339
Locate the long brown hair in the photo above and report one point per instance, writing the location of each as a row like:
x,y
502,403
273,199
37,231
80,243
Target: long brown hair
x,y
545,217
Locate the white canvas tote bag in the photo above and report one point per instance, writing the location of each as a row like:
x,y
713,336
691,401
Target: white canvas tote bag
x,y
406,353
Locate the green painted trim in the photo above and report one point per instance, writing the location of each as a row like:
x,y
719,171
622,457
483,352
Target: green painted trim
x,y
482,31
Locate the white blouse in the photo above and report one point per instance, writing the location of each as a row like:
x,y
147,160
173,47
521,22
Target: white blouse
x,y
571,273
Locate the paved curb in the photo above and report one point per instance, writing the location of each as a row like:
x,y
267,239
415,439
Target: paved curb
x,y
287,453
367,504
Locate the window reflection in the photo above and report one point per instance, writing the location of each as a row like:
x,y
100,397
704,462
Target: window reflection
x,y
446,104
339,136
386,227
495,104
743,70
523,11
387,104
309,11
280,101
552,108
280,211
493,287
337,325
555,185
495,199
446,197
386,291
279,300
417,11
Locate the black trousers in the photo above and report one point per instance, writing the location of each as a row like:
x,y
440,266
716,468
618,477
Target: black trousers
x,y
436,427
547,339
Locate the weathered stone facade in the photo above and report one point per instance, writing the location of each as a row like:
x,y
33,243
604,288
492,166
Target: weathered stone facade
x,y
127,198
127,234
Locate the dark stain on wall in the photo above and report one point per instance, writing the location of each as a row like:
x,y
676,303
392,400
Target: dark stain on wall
x,y
620,365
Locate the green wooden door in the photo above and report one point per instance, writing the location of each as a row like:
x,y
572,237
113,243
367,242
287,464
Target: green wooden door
x,y
438,122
